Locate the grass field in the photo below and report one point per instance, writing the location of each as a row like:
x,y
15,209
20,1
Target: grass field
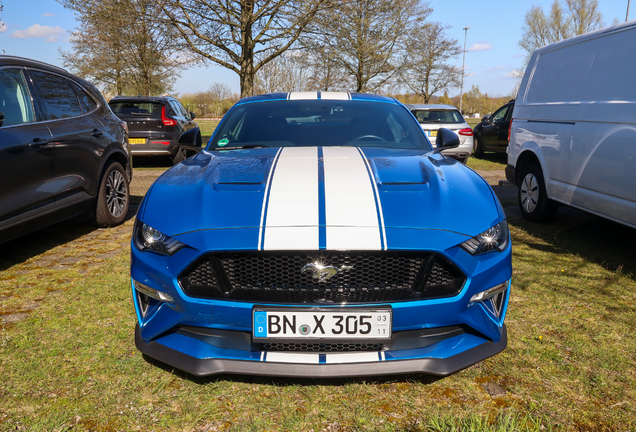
x,y
68,360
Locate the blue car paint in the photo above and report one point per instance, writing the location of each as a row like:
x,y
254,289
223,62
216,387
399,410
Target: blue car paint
x,y
213,201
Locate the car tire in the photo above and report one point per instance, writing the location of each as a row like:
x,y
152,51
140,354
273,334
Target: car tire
x,y
113,196
478,150
179,156
534,203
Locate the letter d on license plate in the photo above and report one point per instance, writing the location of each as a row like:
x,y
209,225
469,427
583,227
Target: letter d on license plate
x,y
321,324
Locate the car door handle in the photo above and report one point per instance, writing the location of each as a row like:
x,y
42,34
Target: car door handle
x,y
38,144
97,133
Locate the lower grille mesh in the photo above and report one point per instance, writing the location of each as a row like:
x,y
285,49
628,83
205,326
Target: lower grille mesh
x,y
278,277
320,347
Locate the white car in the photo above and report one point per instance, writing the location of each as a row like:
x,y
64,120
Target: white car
x,y
433,117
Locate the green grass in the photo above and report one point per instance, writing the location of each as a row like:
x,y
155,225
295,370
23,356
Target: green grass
x,y
570,362
490,161
207,128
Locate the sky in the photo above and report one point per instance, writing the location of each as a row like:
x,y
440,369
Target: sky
x,y
38,29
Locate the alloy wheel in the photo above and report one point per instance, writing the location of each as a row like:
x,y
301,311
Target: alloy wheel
x,y
116,193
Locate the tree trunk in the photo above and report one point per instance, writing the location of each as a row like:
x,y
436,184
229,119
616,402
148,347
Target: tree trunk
x,y
247,49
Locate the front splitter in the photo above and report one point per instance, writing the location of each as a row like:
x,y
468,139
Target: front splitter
x,y
214,366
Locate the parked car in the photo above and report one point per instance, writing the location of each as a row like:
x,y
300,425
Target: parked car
x,y
154,124
62,151
573,134
491,134
433,117
320,234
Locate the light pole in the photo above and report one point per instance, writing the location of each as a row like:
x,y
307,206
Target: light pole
x,y
627,15
461,88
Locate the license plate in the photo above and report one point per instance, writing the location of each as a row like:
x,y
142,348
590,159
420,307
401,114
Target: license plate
x,y
432,133
137,140
321,324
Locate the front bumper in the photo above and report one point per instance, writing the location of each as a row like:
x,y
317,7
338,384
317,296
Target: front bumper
x,y
359,364
510,174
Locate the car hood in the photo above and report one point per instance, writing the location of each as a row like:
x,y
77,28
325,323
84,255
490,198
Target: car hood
x,y
312,197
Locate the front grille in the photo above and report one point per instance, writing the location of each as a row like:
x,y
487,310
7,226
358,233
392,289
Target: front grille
x,y
385,276
319,347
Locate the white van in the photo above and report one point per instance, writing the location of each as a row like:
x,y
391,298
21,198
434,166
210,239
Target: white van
x,y
573,133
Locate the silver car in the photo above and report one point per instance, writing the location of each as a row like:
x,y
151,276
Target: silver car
x,y
433,117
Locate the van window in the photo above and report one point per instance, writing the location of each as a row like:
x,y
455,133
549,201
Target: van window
x,y
15,100
600,69
59,98
561,75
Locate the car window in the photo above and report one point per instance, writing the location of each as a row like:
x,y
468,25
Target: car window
x,y
438,116
500,113
15,99
59,99
137,108
175,108
320,123
180,109
88,104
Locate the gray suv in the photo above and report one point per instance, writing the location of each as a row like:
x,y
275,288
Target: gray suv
x,y
62,151
155,124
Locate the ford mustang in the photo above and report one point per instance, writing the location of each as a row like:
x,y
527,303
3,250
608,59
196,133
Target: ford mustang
x,y
320,234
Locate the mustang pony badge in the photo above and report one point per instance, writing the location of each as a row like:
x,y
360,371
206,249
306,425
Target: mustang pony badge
x,y
321,272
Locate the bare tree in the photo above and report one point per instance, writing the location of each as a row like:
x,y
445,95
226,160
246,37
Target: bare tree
x,y
120,46
567,18
285,73
366,38
241,35
427,70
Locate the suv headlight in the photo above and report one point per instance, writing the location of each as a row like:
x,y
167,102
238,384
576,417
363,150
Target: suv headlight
x,y
493,239
148,238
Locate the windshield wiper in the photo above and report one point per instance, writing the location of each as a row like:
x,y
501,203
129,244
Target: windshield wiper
x,y
430,121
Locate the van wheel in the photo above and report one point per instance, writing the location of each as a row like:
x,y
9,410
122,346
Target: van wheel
x,y
533,198
478,150
112,197
179,156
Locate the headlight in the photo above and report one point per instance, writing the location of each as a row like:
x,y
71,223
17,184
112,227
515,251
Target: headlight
x,y
493,239
148,238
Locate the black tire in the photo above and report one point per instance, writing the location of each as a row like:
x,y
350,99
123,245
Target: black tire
x,y
113,196
179,156
533,198
478,150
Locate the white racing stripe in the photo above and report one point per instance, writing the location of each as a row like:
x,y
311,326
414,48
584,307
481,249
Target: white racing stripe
x,y
291,222
360,357
351,213
335,95
282,357
303,96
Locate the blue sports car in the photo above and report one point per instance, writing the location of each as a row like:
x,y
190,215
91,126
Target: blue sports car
x,y
320,234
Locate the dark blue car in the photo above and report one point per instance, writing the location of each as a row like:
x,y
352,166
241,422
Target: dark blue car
x,y
319,235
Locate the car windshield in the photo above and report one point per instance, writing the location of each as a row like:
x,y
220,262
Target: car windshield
x,y
319,123
144,109
438,116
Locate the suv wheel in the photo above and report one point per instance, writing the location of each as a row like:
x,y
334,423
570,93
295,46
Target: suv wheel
x,y
112,197
533,198
478,150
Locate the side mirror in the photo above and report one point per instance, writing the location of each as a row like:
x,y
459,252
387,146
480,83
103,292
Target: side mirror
x,y
191,138
1,118
192,116
485,119
446,139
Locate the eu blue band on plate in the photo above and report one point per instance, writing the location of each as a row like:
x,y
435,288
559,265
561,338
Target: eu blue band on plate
x,y
260,324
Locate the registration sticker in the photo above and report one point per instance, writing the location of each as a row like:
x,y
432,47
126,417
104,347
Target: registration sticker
x,y
322,324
